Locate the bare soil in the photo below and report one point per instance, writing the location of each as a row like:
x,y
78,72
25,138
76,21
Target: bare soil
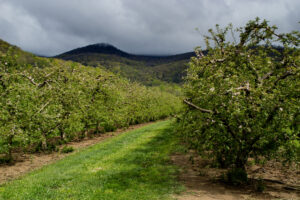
x,y
24,163
203,182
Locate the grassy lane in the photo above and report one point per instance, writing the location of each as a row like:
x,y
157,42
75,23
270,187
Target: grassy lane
x,y
134,165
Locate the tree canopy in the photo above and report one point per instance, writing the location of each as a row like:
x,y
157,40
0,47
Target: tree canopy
x,y
243,97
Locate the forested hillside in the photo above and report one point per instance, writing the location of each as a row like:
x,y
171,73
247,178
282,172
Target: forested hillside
x,y
45,102
149,70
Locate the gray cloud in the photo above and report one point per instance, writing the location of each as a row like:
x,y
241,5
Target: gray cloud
x,y
148,27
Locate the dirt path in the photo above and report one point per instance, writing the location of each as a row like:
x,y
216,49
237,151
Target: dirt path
x,y
29,162
201,183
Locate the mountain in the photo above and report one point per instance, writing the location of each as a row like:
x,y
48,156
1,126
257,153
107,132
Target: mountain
x,y
102,48
108,49
149,70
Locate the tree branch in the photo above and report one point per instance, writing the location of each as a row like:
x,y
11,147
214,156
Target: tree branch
x,y
42,108
39,85
217,60
287,74
30,79
266,76
197,107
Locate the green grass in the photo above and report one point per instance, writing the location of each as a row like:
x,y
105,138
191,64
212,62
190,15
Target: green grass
x,y
134,165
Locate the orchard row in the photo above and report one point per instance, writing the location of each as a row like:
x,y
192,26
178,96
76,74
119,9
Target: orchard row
x,y
44,106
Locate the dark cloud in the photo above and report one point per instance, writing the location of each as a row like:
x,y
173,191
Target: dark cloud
x,y
148,27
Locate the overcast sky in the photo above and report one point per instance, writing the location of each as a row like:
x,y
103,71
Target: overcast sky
x,y
50,27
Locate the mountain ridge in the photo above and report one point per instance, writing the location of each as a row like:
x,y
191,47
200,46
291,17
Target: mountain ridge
x,y
106,48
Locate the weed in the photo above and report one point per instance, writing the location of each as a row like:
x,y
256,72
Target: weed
x,y
67,149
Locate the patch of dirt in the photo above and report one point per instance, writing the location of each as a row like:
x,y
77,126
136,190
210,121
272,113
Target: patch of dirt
x,y
202,182
25,163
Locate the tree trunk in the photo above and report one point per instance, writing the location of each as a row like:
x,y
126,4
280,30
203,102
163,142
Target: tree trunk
x,y
241,161
44,142
62,133
9,156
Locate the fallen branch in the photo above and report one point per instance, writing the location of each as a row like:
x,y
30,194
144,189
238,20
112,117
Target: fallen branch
x,y
198,108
